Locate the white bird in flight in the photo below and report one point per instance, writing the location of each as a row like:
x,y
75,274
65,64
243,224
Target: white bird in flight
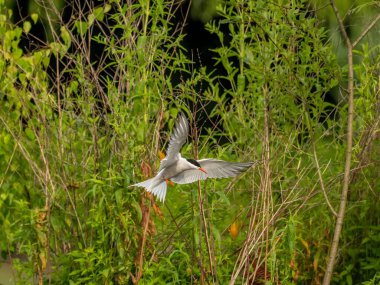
x,y
181,170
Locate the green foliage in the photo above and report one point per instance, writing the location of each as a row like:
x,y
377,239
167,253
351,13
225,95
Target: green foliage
x,y
73,139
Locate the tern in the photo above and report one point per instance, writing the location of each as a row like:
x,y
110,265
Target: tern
x,y
180,170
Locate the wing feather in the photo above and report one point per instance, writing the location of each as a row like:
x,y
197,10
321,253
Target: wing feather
x,y
215,169
177,140
189,176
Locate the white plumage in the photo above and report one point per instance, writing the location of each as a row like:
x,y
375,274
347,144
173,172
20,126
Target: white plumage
x,y
183,171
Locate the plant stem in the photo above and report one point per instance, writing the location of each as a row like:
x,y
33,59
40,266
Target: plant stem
x,y
347,168
349,138
321,181
203,216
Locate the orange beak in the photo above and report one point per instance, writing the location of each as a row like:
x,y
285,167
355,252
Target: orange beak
x,y
201,169
169,182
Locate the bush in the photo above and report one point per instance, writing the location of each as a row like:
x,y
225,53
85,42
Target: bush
x,y
80,124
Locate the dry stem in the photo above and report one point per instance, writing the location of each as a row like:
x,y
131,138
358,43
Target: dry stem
x,y
349,139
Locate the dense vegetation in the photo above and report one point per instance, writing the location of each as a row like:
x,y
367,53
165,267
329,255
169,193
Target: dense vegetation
x,y
88,114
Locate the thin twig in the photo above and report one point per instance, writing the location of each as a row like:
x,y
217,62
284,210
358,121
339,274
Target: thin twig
x,y
321,182
146,218
203,216
8,165
366,30
267,185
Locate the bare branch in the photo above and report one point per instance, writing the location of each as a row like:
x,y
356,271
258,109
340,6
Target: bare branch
x,y
370,26
347,168
321,182
340,23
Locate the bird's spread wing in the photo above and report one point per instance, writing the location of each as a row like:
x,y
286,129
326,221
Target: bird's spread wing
x,y
215,169
189,176
177,139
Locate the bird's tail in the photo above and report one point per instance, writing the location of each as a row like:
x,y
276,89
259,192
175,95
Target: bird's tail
x,y
155,186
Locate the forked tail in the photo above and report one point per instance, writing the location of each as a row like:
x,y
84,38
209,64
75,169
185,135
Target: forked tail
x,y
155,186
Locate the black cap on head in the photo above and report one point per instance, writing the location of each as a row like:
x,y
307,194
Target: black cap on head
x,y
193,161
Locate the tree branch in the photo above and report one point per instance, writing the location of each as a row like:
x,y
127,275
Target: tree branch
x,y
370,26
346,179
321,182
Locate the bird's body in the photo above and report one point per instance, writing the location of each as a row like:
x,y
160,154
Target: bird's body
x,y
178,166
180,170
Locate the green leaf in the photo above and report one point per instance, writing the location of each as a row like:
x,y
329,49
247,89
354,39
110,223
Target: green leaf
x,y
29,133
349,279
34,17
65,35
97,181
99,13
46,58
107,8
90,19
138,210
58,48
81,27
241,83
26,27
119,197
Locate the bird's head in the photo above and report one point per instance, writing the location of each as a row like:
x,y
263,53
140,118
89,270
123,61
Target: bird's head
x,y
196,164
